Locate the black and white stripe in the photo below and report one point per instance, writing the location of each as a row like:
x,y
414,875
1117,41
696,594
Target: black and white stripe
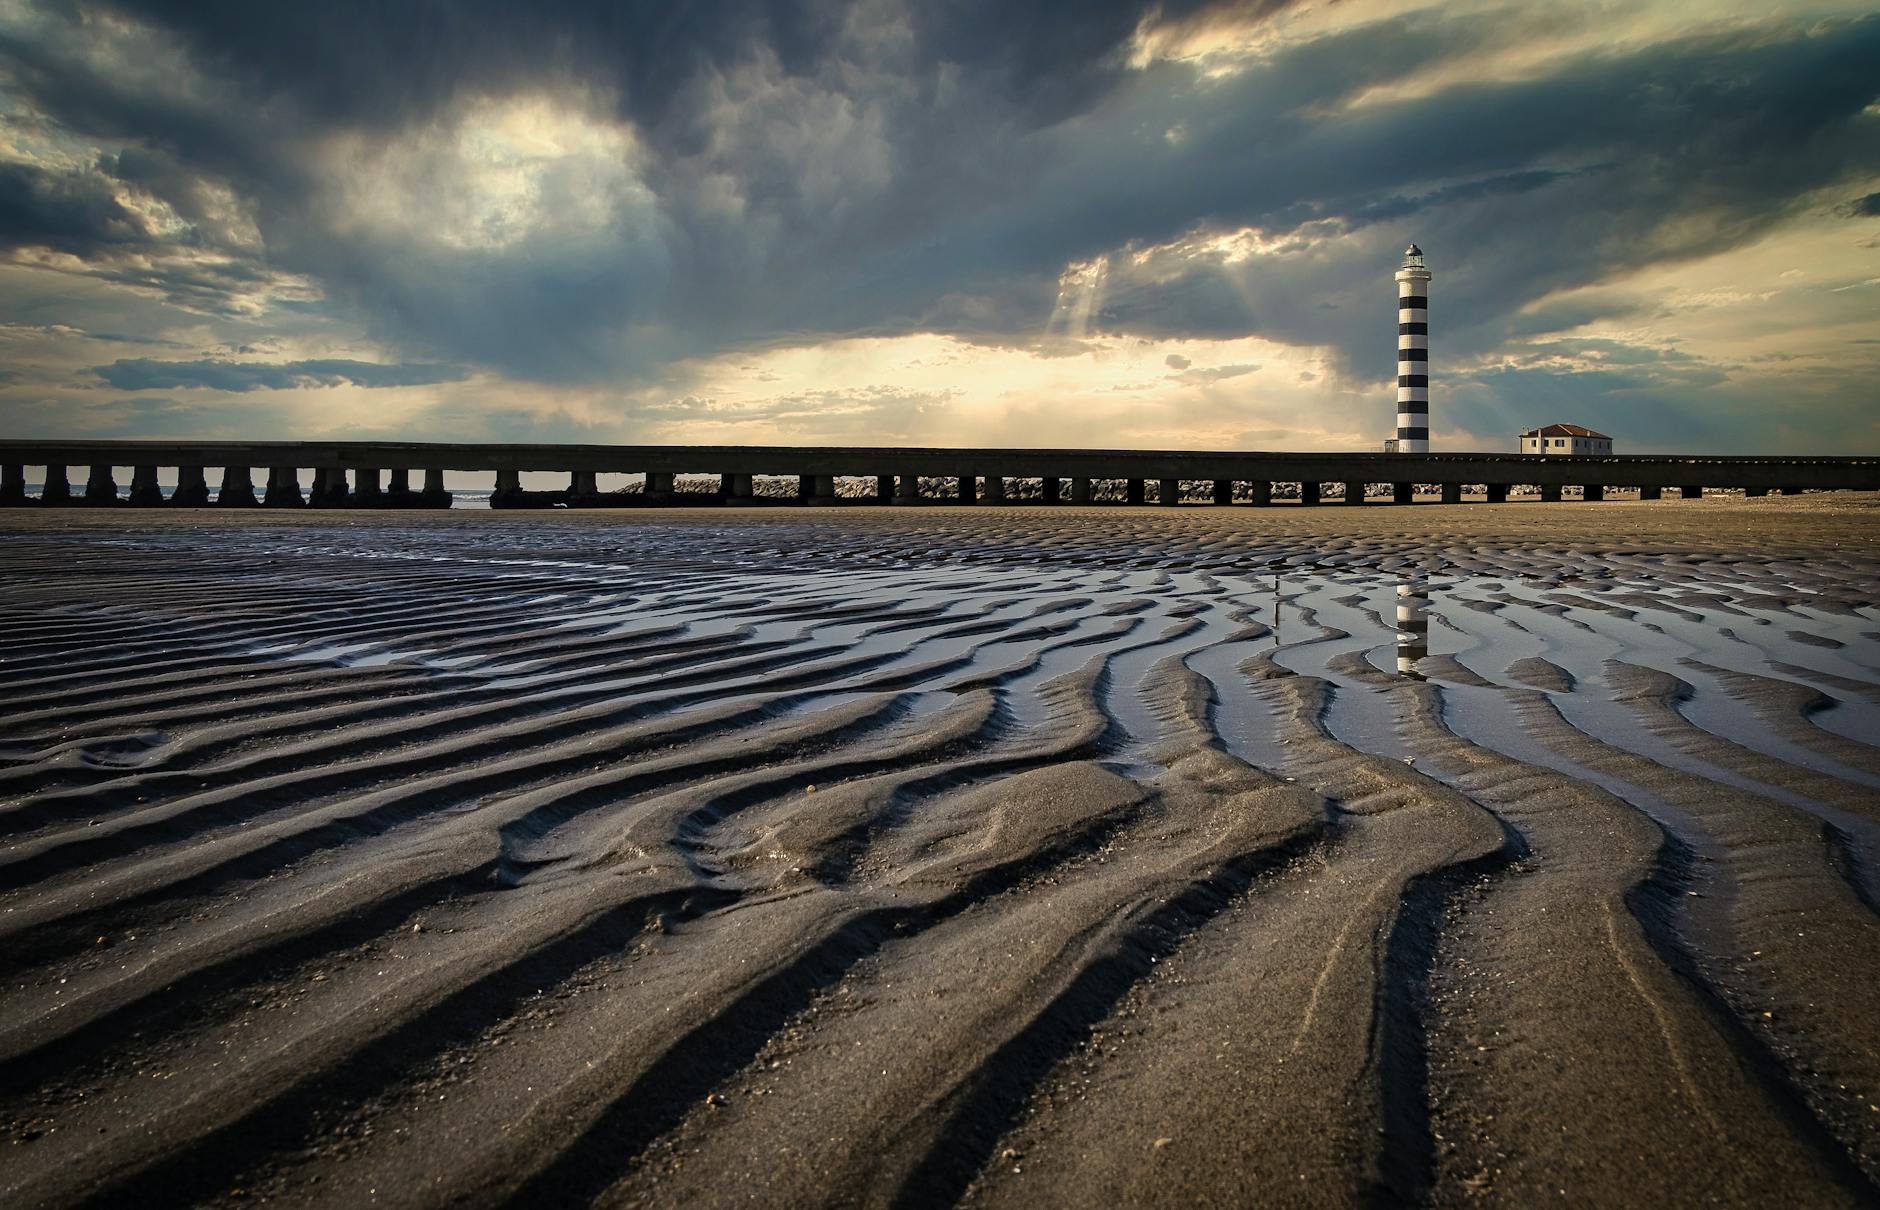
x,y
1413,354
1413,623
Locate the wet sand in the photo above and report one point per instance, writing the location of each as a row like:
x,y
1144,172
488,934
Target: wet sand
x,y
931,856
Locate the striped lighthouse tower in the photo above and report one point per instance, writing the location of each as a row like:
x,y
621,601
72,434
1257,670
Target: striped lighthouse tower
x,y
1413,354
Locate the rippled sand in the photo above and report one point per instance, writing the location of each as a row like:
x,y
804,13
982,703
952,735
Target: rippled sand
x,y
1021,856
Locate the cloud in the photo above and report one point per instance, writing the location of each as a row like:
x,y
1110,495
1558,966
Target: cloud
x,y
145,374
73,212
584,196
1204,376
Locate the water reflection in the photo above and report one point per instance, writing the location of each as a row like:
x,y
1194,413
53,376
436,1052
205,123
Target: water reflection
x,y
1413,624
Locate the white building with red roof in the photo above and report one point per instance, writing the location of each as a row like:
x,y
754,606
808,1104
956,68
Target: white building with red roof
x,y
1565,439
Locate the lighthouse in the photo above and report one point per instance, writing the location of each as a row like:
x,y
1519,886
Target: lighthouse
x,y
1413,354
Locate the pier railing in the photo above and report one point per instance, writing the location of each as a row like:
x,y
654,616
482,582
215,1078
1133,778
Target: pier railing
x,y
411,474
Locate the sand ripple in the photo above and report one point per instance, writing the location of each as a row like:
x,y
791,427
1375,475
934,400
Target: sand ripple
x,y
1001,858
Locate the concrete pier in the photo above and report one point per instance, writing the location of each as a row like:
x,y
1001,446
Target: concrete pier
x,y
238,489
434,495
1593,491
145,493
898,470
1403,493
1169,491
283,488
100,486
329,488
192,488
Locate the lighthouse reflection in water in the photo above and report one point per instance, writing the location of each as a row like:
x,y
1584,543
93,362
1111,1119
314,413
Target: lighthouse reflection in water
x,y
1413,624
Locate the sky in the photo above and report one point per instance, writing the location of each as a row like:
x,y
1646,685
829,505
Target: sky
x,y
1069,223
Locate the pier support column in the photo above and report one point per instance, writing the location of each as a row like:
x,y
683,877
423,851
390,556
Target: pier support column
x,y
583,491
434,495
508,493
884,488
907,489
1648,493
1403,493
1262,492
1691,493
12,485
659,485
192,488
144,490
1308,493
822,489
398,492
57,489
1593,491
1080,490
735,487
1354,493
1788,491
329,488
1134,492
1452,493
101,488
1497,492
969,489
1051,489
1550,493
1750,493
1169,491
995,489
366,493
238,489
1223,491
283,488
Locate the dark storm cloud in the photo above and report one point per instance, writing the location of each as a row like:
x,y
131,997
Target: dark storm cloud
x,y
1866,206
65,211
145,374
935,168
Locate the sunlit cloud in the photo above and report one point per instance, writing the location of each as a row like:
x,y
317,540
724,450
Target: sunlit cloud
x,y
1152,225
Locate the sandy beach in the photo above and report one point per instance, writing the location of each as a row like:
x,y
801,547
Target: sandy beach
x,y
933,856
